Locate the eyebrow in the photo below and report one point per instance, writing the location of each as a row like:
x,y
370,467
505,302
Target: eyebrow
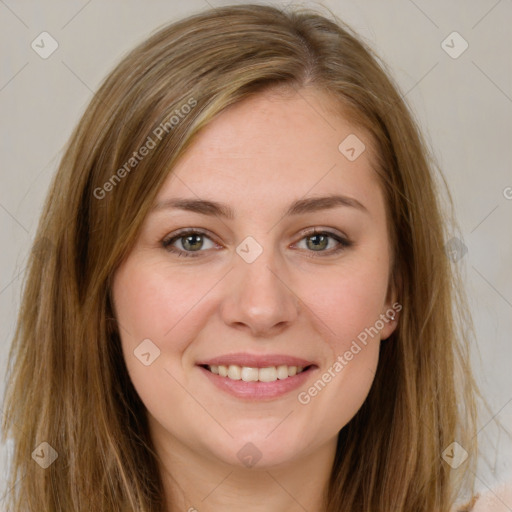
x,y
299,207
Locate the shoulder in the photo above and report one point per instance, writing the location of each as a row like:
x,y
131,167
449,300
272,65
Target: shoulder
x,y
497,499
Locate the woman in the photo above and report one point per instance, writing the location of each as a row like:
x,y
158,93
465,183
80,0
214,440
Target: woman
x,y
240,294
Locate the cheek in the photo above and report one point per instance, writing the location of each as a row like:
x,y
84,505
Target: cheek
x,y
349,303
167,307
348,306
149,304
348,312
339,390
153,317
147,308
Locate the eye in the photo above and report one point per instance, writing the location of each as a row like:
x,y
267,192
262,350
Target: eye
x,y
191,242
318,241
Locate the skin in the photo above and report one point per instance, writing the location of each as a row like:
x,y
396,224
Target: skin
x,y
257,156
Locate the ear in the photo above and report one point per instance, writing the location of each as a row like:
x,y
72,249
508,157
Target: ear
x,y
392,307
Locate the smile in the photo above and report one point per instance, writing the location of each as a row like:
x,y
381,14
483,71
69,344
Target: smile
x,y
251,374
255,384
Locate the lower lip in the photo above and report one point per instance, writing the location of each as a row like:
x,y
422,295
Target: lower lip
x,y
258,390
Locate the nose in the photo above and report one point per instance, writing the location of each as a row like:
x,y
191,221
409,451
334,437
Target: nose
x,y
258,297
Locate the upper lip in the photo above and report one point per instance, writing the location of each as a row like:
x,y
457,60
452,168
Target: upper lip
x,y
256,361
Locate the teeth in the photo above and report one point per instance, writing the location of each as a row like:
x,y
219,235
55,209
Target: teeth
x,y
282,372
234,372
248,374
268,374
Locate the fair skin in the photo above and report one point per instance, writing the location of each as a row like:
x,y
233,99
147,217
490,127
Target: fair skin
x,y
257,157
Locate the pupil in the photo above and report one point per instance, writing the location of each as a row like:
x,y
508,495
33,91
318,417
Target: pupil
x,y
188,239
322,245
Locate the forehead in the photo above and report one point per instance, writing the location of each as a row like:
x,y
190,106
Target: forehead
x,y
275,146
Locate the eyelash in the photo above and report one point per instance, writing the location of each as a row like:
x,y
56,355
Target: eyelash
x,y
167,242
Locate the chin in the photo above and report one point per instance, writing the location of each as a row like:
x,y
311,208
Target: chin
x,y
264,451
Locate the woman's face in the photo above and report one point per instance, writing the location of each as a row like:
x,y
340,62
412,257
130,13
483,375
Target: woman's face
x,y
253,287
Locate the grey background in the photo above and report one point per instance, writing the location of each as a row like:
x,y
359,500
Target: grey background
x,y
463,105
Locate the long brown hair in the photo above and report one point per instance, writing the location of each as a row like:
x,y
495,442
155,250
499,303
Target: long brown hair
x,y
67,382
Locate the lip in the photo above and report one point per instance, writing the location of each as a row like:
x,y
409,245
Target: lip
x,y
257,391
256,361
